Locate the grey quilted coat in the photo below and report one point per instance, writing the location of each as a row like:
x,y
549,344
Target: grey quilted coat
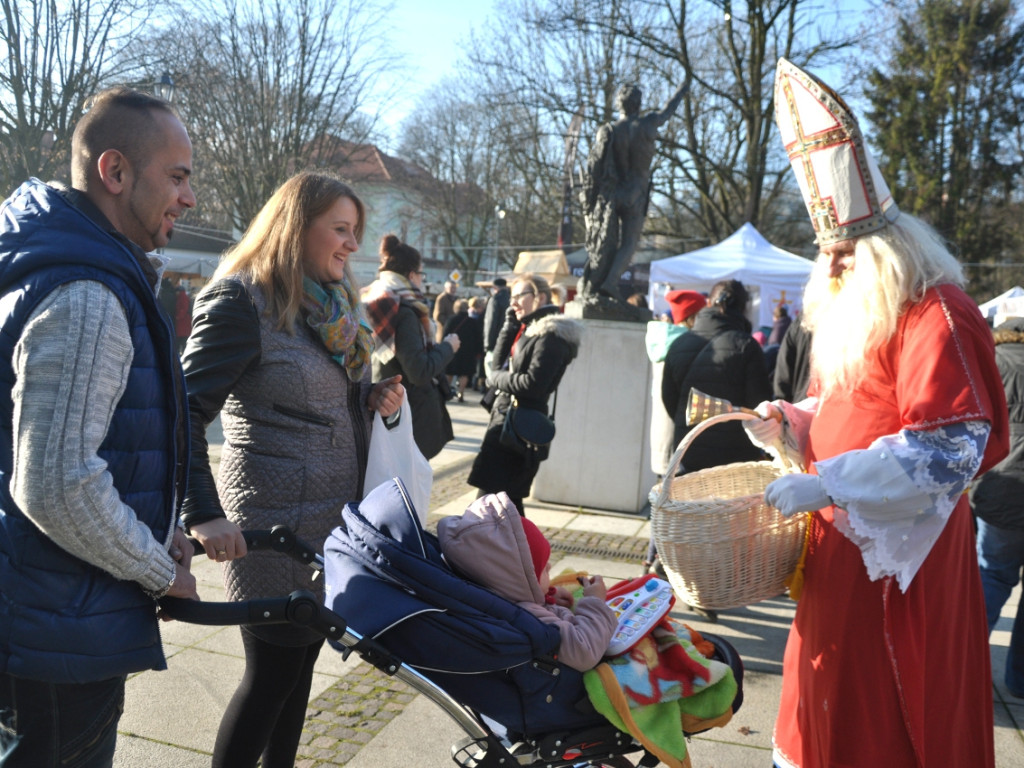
x,y
296,433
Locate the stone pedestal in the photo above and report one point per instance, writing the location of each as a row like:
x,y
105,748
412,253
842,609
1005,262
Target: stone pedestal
x,y
601,454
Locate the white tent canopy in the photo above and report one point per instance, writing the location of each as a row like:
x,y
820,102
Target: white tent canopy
x,y
991,307
773,276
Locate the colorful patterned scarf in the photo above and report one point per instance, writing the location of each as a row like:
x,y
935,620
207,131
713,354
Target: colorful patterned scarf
x,y
332,310
382,300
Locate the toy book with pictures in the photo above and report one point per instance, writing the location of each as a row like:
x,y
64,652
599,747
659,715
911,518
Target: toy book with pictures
x,y
638,609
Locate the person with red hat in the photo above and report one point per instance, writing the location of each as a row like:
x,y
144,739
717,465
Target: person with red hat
x,y
685,305
492,545
660,336
719,357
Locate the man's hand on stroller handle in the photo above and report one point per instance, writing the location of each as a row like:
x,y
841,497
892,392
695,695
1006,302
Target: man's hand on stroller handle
x,y
181,551
184,584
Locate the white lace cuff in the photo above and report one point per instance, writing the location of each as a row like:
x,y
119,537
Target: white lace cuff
x,y
893,498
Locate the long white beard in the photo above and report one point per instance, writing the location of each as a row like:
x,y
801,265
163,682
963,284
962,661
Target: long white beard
x,y
849,317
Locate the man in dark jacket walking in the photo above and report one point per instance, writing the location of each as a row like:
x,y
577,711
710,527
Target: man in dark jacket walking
x,y
95,442
494,319
792,375
720,358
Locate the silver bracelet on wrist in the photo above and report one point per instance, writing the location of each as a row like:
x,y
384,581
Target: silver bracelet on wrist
x,y
156,594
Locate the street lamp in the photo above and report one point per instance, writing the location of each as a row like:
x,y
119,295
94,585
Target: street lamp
x,y
499,214
164,89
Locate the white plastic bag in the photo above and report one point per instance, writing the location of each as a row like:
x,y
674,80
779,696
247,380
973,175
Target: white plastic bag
x,y
394,453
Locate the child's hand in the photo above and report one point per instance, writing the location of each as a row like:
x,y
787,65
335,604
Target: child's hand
x,y
563,597
593,586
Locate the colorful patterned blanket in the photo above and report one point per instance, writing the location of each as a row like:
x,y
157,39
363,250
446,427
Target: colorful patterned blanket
x,y
662,688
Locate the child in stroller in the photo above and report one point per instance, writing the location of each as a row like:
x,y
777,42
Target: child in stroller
x,y
493,546
391,598
652,682
496,657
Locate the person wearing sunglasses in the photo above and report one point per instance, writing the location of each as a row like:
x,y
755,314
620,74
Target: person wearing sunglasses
x,y
534,348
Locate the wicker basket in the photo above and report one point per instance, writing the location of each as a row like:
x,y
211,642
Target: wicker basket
x,y
721,545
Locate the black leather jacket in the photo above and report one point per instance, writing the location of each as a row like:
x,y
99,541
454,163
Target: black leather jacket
x,y
225,341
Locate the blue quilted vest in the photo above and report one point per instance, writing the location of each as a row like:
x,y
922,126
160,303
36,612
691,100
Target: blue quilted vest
x,y
61,619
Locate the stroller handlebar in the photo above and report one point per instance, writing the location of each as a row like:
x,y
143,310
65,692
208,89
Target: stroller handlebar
x,y
301,607
281,539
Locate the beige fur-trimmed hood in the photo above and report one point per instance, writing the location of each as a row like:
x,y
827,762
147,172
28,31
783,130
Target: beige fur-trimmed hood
x,y
565,328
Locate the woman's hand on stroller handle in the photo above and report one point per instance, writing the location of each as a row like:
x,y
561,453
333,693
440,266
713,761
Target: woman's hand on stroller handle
x,y
221,539
280,538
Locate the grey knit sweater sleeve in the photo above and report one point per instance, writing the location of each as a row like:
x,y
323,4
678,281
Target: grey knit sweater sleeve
x,y
71,368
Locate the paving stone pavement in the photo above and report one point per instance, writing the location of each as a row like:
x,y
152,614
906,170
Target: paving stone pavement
x,y
347,715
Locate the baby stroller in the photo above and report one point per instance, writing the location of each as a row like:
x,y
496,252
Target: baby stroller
x,y
482,659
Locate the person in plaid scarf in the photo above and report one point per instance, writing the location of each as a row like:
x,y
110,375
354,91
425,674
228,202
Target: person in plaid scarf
x,y
404,333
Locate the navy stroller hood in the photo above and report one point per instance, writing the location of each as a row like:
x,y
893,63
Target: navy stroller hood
x,y
386,576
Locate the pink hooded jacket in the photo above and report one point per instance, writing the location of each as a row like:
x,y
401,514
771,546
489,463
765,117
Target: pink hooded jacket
x,y
488,546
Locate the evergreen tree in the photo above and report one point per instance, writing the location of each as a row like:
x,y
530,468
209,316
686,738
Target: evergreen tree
x,y
946,108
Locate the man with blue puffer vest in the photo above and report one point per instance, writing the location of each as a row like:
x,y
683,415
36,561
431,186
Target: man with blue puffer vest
x,y
93,433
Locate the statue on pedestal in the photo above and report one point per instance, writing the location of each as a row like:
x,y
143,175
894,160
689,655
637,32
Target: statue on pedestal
x,y
616,191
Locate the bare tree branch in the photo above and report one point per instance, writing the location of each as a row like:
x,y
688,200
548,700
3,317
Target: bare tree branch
x,y
55,56
263,83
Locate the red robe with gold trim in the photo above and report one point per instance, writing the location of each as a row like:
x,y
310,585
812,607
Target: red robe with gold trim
x,y
874,676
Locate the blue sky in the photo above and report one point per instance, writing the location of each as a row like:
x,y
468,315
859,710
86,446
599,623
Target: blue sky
x,y
429,36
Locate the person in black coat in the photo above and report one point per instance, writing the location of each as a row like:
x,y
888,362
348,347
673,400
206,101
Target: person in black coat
x,y
469,329
780,324
720,358
792,373
996,500
404,333
534,348
494,319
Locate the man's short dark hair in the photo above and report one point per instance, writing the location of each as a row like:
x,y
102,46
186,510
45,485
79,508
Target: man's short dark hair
x,y
500,282
118,118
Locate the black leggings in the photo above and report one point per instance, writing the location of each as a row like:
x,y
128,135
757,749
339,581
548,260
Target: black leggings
x,y
267,712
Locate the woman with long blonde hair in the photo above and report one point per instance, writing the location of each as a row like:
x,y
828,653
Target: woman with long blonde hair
x,y
280,350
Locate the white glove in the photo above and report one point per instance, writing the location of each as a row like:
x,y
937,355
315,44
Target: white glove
x,y
768,430
795,493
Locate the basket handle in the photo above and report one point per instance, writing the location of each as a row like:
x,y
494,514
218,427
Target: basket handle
x,y
693,434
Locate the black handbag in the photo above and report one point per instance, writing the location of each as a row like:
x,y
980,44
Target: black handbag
x,y
444,386
527,431
487,401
